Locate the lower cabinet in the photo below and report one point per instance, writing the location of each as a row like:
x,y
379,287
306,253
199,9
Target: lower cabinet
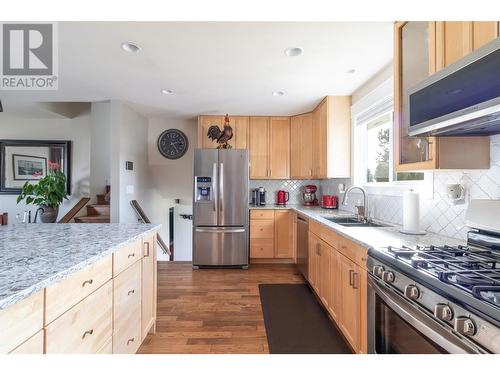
x,y
340,282
84,328
272,236
107,307
127,331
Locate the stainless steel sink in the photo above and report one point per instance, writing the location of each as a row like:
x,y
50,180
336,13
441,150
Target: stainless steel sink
x,y
352,221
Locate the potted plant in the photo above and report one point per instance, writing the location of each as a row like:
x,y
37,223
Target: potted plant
x,y
48,193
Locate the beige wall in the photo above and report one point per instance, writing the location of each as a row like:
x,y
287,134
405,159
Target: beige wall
x,y
380,77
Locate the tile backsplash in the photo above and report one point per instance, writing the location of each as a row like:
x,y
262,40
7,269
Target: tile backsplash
x,y
294,187
438,214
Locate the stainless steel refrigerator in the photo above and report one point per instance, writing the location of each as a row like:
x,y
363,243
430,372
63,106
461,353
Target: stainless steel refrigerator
x,y
220,208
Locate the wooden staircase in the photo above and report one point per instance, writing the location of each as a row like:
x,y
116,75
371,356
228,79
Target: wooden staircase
x,y
96,213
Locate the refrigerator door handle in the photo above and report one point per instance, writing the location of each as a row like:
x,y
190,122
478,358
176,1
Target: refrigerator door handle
x,y
215,197
221,186
220,230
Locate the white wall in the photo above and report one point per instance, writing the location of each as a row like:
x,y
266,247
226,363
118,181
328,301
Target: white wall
x,y
76,130
100,150
172,179
129,142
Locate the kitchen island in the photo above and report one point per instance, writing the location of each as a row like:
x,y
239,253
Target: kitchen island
x,y
77,288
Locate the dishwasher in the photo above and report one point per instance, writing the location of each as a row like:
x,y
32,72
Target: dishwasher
x,y
303,245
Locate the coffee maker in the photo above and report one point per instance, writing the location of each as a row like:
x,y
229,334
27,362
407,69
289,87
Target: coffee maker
x,y
309,195
258,196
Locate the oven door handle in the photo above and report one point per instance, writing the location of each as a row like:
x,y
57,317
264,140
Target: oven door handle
x,y
435,331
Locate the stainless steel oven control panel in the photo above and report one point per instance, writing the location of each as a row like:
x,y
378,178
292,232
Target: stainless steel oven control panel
x,y
465,324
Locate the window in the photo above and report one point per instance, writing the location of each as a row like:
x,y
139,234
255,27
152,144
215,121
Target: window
x,y
373,148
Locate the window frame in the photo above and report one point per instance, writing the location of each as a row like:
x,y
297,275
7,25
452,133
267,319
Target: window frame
x,y
375,104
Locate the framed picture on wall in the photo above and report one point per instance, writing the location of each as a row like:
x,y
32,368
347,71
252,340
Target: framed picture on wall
x,y
31,160
28,168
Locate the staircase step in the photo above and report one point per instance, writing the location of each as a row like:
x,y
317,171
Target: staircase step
x,y
92,219
101,199
98,209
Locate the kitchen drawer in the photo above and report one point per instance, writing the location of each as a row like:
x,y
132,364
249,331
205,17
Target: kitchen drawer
x,y
262,229
356,253
34,345
127,310
326,234
68,292
20,321
86,327
261,248
107,348
262,214
126,256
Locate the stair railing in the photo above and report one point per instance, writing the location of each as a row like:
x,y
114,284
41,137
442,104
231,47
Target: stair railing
x,y
144,219
74,210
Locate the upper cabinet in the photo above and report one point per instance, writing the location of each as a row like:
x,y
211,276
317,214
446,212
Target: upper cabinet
x,y
420,49
301,146
238,123
269,147
331,123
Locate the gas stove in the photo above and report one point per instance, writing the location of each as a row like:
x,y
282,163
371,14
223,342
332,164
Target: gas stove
x,y
456,285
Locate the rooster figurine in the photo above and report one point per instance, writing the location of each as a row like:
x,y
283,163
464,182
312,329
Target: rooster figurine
x,y
221,136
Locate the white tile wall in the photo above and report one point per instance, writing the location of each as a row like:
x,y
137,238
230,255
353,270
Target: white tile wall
x,y
438,214
294,187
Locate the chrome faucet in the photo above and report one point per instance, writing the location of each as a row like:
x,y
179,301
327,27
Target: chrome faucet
x,y
361,211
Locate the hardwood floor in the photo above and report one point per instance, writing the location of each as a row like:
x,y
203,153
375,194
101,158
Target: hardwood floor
x,y
213,310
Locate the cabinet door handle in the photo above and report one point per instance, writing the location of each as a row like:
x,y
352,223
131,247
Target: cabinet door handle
x,y
351,277
131,255
130,340
131,292
147,248
318,249
354,274
87,282
89,332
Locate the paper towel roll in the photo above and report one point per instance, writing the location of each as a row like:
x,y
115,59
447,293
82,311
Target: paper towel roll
x,y
411,213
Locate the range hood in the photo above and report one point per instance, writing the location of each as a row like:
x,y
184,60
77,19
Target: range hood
x,y
461,100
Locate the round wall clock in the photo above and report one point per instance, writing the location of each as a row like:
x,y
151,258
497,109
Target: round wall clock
x,y
172,144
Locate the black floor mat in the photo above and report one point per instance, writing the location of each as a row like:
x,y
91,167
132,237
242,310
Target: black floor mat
x,y
296,323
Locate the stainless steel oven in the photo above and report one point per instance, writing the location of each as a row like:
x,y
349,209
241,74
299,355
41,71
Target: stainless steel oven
x,y
398,325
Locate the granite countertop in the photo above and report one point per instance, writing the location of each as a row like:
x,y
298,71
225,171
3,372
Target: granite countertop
x,y
35,256
368,237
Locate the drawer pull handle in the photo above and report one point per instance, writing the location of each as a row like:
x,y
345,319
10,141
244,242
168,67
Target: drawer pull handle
x,y
131,292
351,278
87,282
130,341
89,332
131,255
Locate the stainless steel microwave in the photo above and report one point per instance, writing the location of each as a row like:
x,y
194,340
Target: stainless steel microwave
x,y
462,99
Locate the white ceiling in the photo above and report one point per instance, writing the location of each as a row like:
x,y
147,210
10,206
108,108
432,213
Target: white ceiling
x,y
214,67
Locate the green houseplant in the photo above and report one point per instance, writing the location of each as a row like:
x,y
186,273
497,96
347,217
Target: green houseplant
x,y
48,193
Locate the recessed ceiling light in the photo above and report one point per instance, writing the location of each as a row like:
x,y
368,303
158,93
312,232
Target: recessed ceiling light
x,y
351,71
293,51
167,92
278,93
131,47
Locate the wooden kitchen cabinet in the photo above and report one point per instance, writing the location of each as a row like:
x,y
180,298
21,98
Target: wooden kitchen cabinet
x,y
350,307
272,236
149,277
34,345
269,147
284,234
337,274
21,321
420,49
301,147
238,123
331,133
127,331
